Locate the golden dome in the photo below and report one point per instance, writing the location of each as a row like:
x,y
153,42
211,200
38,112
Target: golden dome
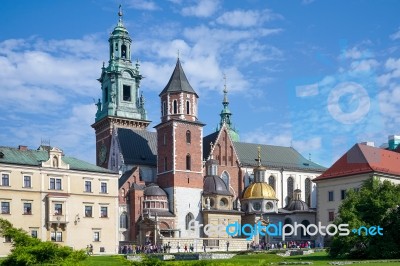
x,y
259,191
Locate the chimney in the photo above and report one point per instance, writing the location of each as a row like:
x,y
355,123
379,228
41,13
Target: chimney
x,y
368,143
22,148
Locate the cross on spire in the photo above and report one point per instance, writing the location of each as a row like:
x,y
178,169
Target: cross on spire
x,y
120,14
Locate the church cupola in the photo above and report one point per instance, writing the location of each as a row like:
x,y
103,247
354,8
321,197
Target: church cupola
x,y
226,116
120,42
178,99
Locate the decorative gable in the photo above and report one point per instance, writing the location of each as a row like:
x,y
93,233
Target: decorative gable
x,y
55,159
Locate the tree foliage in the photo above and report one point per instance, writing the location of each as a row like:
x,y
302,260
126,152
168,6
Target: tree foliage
x,y
375,204
27,250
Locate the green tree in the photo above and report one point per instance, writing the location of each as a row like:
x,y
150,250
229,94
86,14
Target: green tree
x,y
27,250
375,204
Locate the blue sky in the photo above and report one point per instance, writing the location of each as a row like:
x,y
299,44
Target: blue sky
x,y
317,75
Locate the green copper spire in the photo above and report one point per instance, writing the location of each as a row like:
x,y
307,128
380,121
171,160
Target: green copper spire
x,y
120,80
226,116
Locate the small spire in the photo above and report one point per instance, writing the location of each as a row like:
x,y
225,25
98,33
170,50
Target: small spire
x,y
225,101
120,14
259,156
211,148
178,54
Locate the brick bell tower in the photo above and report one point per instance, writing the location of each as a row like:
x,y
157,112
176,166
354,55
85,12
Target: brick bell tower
x,y
122,104
180,149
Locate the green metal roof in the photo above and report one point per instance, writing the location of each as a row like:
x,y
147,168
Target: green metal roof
x,y
36,157
274,157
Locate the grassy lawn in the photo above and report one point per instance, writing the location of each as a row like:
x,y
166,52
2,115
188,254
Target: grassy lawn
x,y
253,259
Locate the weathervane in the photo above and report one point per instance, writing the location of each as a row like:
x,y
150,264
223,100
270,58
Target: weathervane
x,y
120,13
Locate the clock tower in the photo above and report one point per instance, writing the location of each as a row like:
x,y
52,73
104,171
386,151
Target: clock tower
x,y
122,103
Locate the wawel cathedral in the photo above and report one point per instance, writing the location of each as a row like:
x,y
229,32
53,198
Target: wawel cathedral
x,y
176,174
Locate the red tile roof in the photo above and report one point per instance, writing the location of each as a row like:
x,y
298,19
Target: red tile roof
x,y
364,159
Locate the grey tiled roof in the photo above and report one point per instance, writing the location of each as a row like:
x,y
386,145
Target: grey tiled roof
x,y
206,144
138,147
178,81
124,177
274,157
36,157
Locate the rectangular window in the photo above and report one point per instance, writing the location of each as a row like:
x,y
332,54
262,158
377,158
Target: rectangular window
x,y
330,196
106,94
34,233
58,209
126,93
88,186
5,180
27,181
56,236
88,211
55,184
103,212
5,207
27,208
343,194
103,187
331,216
96,236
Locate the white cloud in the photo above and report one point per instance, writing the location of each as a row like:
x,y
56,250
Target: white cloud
x,y
307,2
392,65
143,5
364,65
203,8
396,35
307,145
307,90
246,18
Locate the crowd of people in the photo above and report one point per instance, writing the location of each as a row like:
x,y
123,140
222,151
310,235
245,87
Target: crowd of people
x,y
279,245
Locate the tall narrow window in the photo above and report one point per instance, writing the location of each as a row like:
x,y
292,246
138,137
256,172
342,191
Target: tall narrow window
x,y
5,180
307,186
88,211
105,94
188,162
272,182
5,207
126,93
123,221
290,185
164,108
123,51
27,181
187,107
103,187
88,186
188,136
175,107
56,236
103,212
189,217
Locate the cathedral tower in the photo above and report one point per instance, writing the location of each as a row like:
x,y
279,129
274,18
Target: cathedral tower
x,y
122,104
179,149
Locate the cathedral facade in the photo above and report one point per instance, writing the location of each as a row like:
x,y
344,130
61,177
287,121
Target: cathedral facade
x,y
176,177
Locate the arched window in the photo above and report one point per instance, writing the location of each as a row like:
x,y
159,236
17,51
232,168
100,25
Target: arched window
x,y
123,194
123,51
290,185
175,107
187,107
225,178
188,162
272,182
55,161
307,186
123,220
189,217
188,136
